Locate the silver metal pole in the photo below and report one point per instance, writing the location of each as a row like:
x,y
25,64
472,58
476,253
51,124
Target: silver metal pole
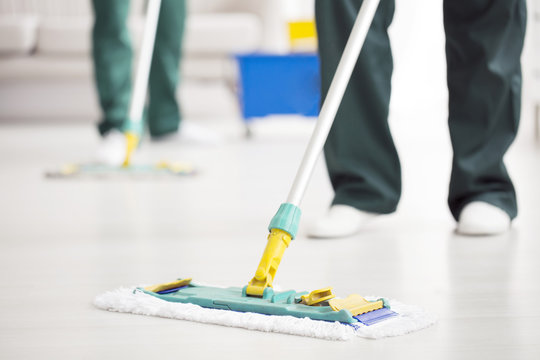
x,y
138,99
333,99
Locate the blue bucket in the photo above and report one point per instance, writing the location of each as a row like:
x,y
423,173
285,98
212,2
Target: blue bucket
x,y
273,84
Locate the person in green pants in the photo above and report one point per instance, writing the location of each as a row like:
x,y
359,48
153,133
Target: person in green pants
x,y
113,55
484,40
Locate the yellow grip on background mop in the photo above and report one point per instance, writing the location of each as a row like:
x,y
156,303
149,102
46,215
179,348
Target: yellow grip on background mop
x,y
132,141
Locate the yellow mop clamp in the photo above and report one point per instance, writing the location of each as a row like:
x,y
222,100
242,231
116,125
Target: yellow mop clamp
x,y
318,297
355,304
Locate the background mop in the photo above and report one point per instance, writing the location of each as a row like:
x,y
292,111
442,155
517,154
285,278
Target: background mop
x,y
317,314
134,127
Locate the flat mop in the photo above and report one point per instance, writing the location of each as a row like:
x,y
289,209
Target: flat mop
x,y
318,313
134,127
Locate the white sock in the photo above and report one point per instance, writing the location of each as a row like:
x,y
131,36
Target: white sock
x,y
340,221
481,218
113,148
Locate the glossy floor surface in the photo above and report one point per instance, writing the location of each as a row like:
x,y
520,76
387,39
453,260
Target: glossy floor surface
x,y
64,242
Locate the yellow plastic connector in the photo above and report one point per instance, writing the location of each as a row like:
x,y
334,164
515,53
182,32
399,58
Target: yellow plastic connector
x,y
278,241
356,304
132,141
318,296
169,285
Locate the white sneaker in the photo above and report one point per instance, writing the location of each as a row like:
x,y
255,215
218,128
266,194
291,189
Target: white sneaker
x,y
112,150
192,134
481,218
340,221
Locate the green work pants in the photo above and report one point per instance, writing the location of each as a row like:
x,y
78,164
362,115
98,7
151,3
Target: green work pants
x,y
484,39
112,54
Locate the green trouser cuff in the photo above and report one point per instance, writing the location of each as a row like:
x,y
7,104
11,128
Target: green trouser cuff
x,y
105,126
164,126
365,203
503,200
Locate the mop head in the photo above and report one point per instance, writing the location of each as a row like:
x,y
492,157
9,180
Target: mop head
x,y
136,301
95,170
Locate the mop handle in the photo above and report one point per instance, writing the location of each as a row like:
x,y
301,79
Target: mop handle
x,y
145,59
333,99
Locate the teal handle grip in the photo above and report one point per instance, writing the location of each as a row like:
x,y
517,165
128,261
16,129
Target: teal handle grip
x,y
287,219
136,127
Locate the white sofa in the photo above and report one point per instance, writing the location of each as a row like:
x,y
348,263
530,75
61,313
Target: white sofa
x,y
46,70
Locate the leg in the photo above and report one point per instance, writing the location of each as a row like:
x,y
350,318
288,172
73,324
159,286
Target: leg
x,y
360,155
163,110
483,49
112,61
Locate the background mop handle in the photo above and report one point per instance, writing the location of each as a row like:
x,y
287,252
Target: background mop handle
x,y
333,99
145,58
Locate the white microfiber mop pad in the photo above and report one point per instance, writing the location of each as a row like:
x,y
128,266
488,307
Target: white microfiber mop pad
x,y
129,300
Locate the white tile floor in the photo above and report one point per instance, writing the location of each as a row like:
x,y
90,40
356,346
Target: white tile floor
x,y
63,242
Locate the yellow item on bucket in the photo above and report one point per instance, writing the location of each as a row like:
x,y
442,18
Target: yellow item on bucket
x,y
303,35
